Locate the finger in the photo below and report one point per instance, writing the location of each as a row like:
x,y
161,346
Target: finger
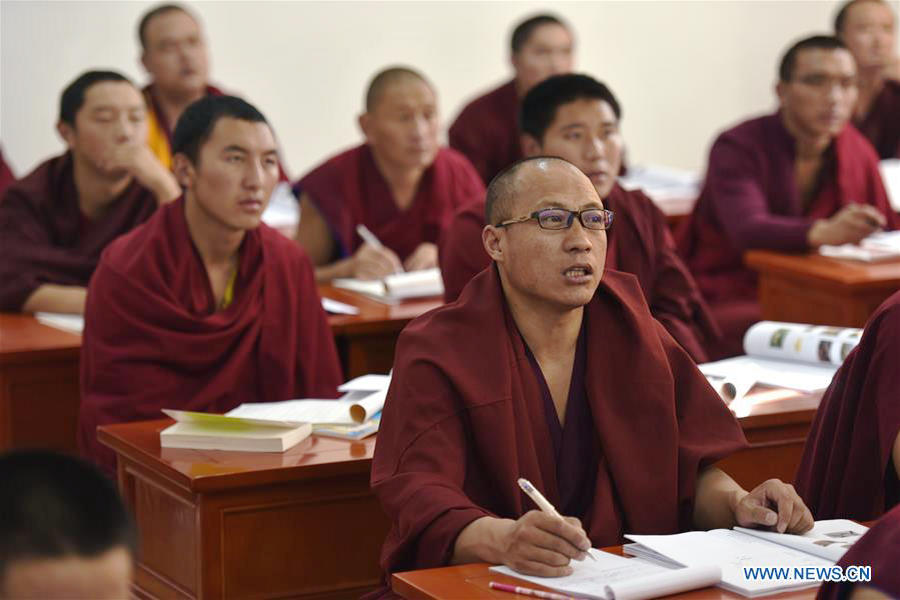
x,y
873,213
785,510
540,570
752,512
544,556
573,534
393,260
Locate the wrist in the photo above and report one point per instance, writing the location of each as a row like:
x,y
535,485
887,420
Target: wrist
x,y
815,235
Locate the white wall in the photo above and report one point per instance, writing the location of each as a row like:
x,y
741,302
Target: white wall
x,y
683,70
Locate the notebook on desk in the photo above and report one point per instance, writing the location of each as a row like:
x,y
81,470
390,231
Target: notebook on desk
x,y
400,286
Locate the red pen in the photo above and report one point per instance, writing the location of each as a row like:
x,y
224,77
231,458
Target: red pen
x,y
524,591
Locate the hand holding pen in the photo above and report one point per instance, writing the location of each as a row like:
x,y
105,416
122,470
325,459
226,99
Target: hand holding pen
x,y
543,543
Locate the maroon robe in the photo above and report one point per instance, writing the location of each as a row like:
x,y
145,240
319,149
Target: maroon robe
x,y
153,340
487,131
460,426
846,470
879,549
639,243
348,189
749,200
882,123
7,177
45,238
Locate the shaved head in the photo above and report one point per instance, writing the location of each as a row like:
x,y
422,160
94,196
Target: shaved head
x,y
841,19
387,78
504,188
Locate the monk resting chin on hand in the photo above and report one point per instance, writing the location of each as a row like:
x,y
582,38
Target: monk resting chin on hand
x,y
543,545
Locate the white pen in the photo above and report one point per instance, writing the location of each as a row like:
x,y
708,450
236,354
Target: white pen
x,y
369,237
543,503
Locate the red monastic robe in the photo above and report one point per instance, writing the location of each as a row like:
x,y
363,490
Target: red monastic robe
x,y
7,177
882,123
45,238
639,243
879,549
348,189
154,340
749,200
846,470
465,418
159,130
487,131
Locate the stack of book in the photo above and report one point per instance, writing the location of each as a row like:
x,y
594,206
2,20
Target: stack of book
x,y
277,426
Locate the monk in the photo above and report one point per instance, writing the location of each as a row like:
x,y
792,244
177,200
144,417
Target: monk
x,y
486,130
544,371
790,181
577,118
851,462
204,307
55,222
64,530
7,177
174,53
879,549
869,29
400,184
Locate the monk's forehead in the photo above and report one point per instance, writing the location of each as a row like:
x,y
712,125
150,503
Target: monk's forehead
x,y
838,60
858,8
538,181
396,88
160,25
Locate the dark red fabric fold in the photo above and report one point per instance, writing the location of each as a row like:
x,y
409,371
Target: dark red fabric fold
x,y
44,238
348,189
153,340
465,418
846,470
487,131
638,243
7,177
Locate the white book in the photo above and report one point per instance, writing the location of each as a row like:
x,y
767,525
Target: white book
x,y
363,399
217,432
881,245
612,577
734,550
790,355
400,286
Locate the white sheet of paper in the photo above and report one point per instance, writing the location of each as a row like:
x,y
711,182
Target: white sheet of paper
x,y
338,308
66,322
791,375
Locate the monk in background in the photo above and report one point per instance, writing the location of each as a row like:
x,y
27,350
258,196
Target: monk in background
x,y
851,462
577,118
487,130
55,221
791,181
869,30
204,307
400,184
573,386
174,53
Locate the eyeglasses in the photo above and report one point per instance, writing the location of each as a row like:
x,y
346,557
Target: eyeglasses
x,y
560,218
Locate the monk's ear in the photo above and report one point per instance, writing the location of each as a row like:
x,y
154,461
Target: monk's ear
x,y
183,169
780,91
66,132
365,124
530,146
490,237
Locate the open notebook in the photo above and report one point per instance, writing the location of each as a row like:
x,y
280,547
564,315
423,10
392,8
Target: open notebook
x,y
739,551
612,577
400,286
790,355
882,245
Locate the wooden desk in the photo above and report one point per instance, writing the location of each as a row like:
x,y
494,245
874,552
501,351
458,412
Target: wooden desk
x,y
38,385
299,524
776,424
366,341
471,582
809,288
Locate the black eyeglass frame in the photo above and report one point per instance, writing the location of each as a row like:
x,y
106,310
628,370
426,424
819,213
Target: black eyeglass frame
x,y
536,215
